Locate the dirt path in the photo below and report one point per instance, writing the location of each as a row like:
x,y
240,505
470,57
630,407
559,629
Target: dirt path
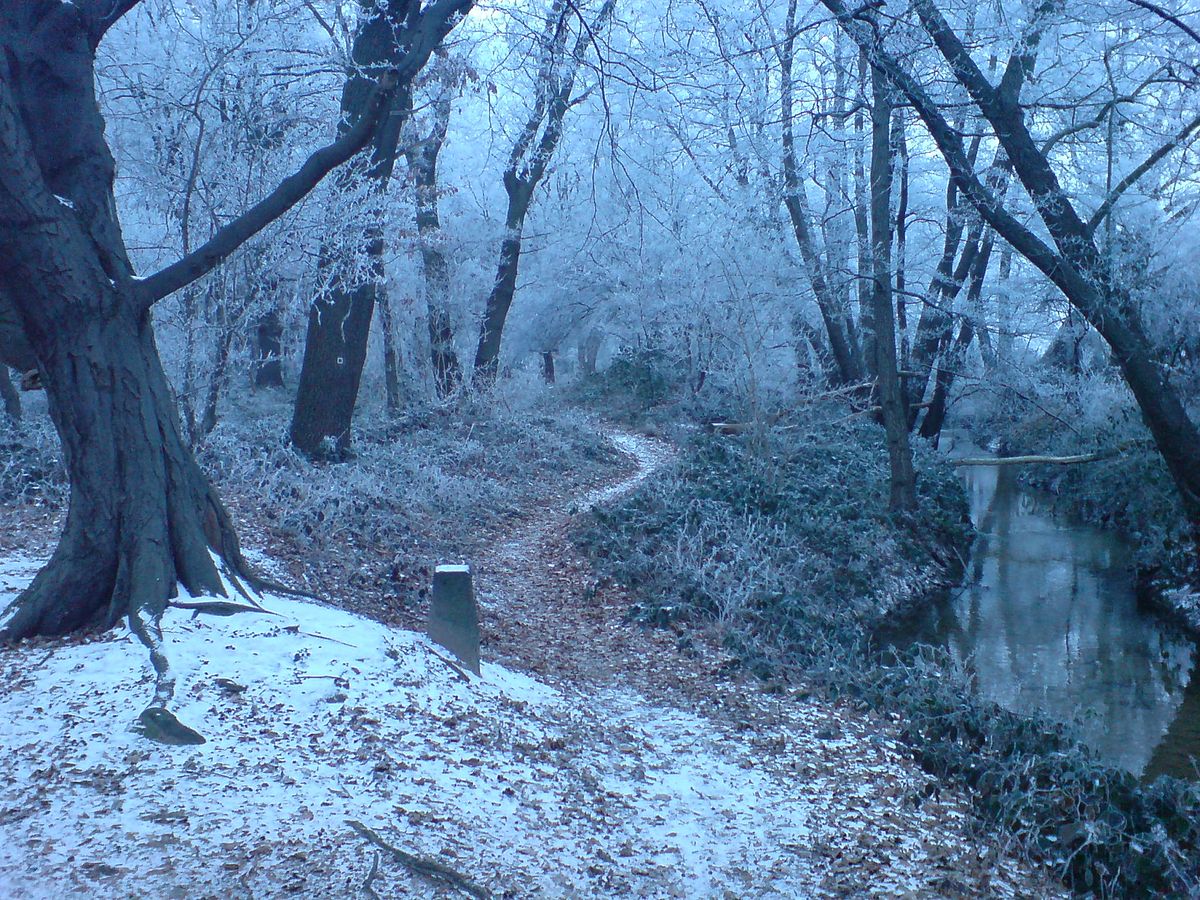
x,y
623,769
874,832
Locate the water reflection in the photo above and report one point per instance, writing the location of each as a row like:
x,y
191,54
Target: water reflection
x,y
1048,621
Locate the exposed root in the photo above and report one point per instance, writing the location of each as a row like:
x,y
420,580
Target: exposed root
x,y
220,607
426,868
156,721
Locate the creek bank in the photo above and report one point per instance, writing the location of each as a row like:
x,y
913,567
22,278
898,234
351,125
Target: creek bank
x,y
1131,493
781,546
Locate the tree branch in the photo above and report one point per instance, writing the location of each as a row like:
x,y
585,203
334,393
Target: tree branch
x,y
1133,177
949,141
1036,460
1174,20
429,868
101,15
432,27
289,192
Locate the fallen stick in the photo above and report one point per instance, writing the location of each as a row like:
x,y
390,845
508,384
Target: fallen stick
x,y
453,665
1032,460
425,867
368,885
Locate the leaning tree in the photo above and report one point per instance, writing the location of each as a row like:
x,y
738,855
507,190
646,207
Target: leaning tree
x,y
1072,259
143,519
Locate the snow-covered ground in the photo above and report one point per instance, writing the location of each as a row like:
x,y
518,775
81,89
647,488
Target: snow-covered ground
x,y
316,716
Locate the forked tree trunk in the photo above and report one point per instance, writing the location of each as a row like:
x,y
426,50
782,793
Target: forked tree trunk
x,y
142,519
339,323
527,163
396,35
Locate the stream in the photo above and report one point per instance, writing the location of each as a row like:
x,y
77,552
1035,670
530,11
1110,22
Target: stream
x,y
1047,620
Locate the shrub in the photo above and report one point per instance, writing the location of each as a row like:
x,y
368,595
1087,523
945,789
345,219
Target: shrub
x,y
31,467
785,545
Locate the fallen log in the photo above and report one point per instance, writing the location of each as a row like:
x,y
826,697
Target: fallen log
x,y
1035,460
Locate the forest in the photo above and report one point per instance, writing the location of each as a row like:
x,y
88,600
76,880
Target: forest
x,y
713,448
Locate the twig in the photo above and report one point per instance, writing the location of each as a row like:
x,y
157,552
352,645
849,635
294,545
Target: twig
x,y
426,867
453,665
295,629
220,607
368,887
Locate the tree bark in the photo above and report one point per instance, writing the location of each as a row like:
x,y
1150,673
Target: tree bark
x,y
548,366
391,356
891,397
395,36
954,355
268,364
588,351
8,394
423,162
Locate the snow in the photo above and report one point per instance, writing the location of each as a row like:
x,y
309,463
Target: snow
x,y
341,718
314,716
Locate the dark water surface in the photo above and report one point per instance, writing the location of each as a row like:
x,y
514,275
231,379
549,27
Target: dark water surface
x,y
1047,620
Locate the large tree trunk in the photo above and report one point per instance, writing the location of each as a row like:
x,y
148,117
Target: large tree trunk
x,y
142,517
339,323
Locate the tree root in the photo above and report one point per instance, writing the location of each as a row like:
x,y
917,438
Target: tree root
x,y
427,868
368,886
220,607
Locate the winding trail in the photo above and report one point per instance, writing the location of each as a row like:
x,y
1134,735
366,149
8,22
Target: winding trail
x,y
625,768
867,829
543,610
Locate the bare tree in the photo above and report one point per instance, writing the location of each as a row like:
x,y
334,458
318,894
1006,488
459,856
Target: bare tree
x,y
839,325
339,323
1072,262
422,155
894,413
531,154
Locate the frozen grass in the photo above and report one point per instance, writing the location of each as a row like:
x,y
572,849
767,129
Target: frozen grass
x,y
428,488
